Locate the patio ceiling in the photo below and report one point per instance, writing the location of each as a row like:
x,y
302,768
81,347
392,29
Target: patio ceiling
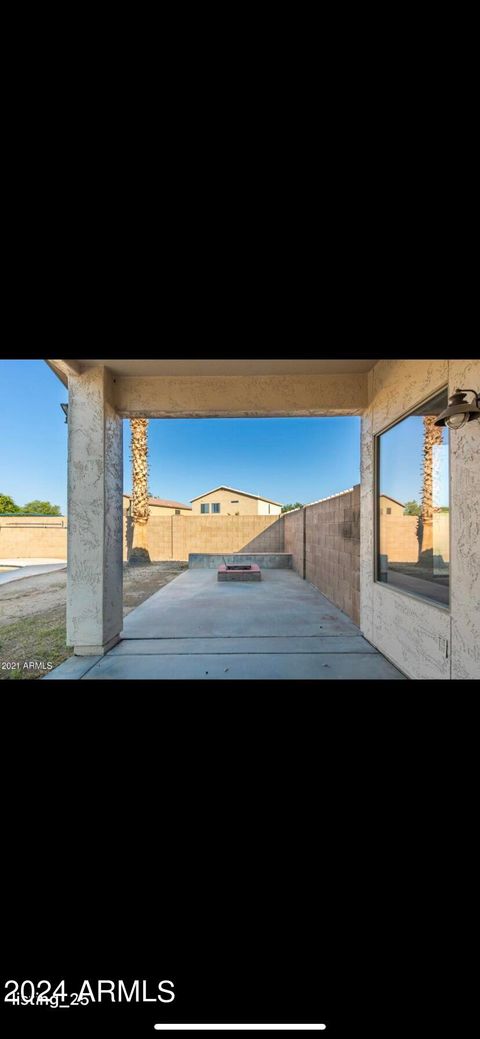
x,y
213,367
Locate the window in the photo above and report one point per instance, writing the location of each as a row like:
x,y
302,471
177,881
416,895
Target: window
x,y
177,512
204,508
215,507
413,533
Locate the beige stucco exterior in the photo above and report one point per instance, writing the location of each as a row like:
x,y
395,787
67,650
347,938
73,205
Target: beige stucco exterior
x,y
235,503
390,507
423,639
254,388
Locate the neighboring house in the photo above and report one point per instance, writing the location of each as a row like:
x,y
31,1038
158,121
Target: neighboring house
x,y
390,506
159,507
230,502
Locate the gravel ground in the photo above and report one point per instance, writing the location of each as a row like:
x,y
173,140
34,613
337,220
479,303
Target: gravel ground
x,y
32,615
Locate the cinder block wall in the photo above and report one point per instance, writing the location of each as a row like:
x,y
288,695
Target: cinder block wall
x,y
271,539
175,537
398,538
332,548
294,522
169,537
331,561
159,530
31,537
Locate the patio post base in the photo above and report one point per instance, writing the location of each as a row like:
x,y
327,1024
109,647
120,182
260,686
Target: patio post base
x,y
96,651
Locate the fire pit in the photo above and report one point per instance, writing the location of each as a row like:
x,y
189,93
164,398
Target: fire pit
x,y
239,572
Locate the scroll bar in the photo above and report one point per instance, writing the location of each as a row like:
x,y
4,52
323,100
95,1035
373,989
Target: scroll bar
x,y
174,1027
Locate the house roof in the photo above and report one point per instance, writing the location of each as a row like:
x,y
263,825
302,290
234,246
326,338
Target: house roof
x,y
235,490
164,502
397,502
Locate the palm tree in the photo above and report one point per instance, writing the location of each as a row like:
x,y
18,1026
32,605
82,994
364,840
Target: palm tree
x,y
140,510
432,435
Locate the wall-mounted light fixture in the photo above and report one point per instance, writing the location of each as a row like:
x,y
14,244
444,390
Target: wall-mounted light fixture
x,y
64,408
459,411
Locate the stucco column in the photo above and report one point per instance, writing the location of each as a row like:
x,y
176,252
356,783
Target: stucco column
x,y
95,482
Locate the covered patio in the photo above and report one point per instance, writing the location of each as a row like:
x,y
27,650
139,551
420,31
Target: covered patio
x,y
424,637
198,628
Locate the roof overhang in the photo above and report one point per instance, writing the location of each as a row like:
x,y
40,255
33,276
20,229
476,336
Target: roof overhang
x,y
65,368
227,388
210,368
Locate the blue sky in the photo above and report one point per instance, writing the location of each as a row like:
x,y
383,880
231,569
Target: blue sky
x,y
289,460
401,455
33,434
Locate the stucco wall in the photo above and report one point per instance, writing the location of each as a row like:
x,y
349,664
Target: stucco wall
x,y
236,395
465,533
267,508
415,634
95,476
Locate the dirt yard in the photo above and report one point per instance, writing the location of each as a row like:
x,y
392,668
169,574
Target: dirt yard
x,y
32,616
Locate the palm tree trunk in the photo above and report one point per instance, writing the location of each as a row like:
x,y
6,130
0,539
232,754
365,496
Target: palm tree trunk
x,y
432,435
140,510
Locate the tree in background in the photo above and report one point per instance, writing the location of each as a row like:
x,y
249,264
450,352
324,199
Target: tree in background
x,y
288,508
412,508
40,508
8,505
32,508
140,510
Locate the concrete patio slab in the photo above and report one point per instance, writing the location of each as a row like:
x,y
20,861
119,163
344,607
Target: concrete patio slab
x,y
31,560
74,667
195,628
28,571
369,666
264,644
195,604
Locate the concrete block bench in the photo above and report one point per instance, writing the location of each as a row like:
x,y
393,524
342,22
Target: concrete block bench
x,y
264,560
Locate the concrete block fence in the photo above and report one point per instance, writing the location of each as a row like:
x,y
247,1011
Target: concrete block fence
x,y
323,539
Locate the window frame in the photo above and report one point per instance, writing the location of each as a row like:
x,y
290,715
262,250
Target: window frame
x,y
446,608
215,509
205,508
